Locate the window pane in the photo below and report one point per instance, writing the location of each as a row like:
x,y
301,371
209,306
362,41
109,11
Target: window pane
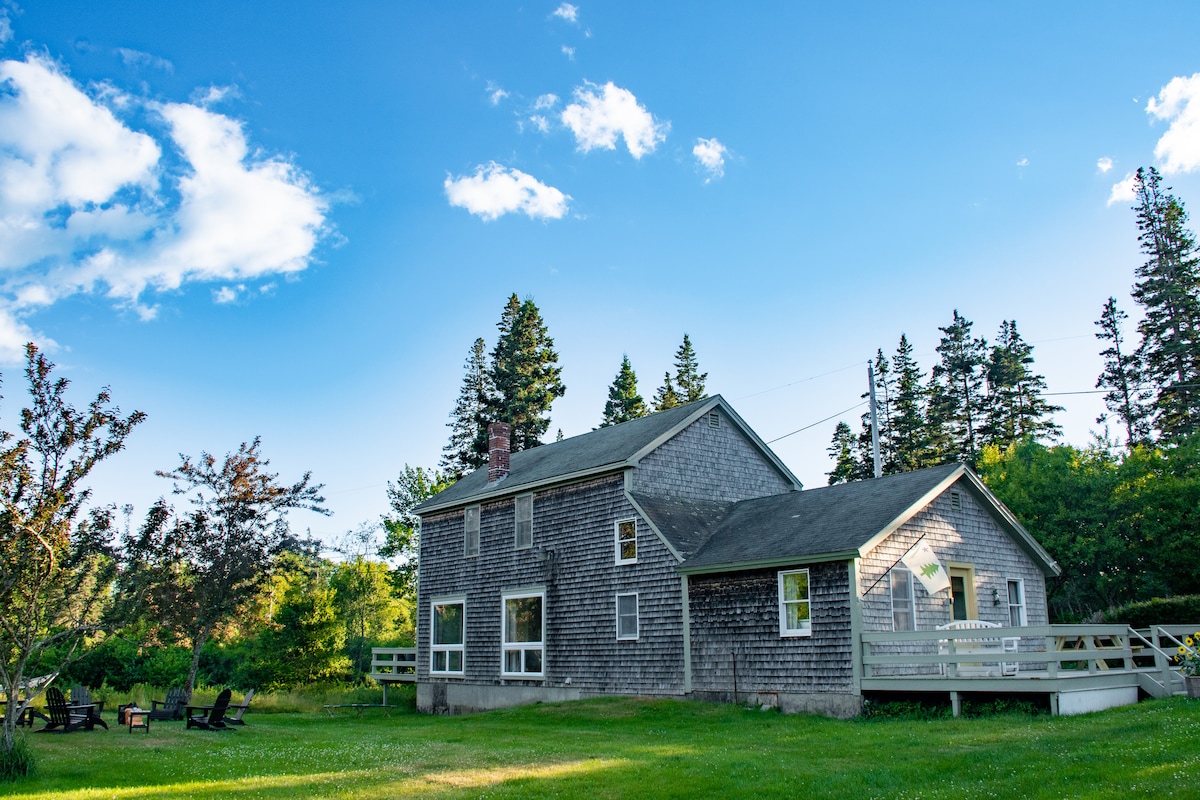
x,y
512,660
1014,593
439,660
627,539
533,660
628,550
523,619
524,534
448,624
901,585
455,657
795,586
902,620
797,616
627,615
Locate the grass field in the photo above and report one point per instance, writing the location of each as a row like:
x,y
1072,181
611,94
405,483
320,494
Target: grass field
x,y
633,748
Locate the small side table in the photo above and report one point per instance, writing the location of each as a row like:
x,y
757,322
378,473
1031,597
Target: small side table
x,y
138,718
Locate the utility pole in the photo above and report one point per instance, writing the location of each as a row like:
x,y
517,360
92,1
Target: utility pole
x,y
874,422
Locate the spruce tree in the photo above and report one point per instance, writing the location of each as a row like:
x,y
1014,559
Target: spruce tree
x,y
1122,377
689,381
624,402
1015,408
666,396
842,450
525,375
908,428
960,376
1168,288
462,454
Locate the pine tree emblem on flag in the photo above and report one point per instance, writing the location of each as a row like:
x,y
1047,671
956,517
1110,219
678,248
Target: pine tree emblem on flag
x,y
925,565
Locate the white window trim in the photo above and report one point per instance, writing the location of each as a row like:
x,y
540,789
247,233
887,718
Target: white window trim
x,y
637,617
617,541
1023,606
783,628
458,599
912,599
467,531
517,594
517,522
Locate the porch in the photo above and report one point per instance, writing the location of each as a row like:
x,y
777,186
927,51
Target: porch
x,y
1080,668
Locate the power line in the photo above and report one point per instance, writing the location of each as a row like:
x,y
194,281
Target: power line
x,y
818,422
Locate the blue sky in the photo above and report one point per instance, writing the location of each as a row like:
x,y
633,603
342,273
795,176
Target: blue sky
x,y
292,220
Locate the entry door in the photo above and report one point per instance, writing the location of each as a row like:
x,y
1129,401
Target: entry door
x,y
962,593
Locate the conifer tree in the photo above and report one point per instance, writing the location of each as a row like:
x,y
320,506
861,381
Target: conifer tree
x,y
624,402
960,377
1122,377
462,455
1015,408
666,397
689,381
1168,288
908,428
845,460
525,375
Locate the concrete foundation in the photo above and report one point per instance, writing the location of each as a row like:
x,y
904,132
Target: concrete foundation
x,y
463,698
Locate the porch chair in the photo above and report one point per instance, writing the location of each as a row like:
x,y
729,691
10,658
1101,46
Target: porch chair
x,y
82,696
241,707
214,720
984,646
172,707
62,718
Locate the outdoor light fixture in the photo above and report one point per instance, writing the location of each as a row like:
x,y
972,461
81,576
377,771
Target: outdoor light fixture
x,y
995,597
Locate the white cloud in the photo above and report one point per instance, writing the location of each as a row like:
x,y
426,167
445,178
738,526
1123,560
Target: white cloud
x,y
136,58
1024,162
1104,164
711,155
88,204
1122,191
567,12
569,52
228,294
495,190
602,113
212,95
1179,103
6,31
545,101
495,93
540,122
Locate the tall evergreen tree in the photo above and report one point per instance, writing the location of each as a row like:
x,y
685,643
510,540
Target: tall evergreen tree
x,y
666,396
525,374
845,458
909,439
1122,377
1015,407
689,381
1168,288
624,402
462,454
960,376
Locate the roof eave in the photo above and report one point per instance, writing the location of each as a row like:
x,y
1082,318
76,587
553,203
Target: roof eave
x,y
766,563
503,491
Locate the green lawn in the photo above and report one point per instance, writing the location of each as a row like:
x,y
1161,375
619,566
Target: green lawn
x,y
637,749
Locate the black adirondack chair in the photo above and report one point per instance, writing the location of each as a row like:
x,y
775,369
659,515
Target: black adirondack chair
x,y
172,707
210,718
62,718
82,696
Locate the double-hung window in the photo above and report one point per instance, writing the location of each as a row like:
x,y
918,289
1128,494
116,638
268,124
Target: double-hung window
x,y
448,624
471,531
627,615
524,626
524,527
794,604
1016,602
903,610
626,533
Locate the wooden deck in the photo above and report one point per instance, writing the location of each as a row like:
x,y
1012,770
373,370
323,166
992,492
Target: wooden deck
x,y
393,665
1080,667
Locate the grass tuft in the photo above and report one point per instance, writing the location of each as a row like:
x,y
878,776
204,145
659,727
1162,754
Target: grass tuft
x,y
17,763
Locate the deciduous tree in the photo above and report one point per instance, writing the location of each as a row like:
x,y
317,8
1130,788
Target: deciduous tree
x,y
402,527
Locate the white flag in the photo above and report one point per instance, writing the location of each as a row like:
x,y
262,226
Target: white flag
x,y
925,565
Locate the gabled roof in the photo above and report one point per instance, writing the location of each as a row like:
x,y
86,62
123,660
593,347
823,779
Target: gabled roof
x,y
834,522
597,452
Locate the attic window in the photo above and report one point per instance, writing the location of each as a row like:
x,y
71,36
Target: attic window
x,y
955,500
714,419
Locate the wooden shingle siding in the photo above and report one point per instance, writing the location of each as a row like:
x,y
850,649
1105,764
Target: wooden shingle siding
x,y
736,615
581,579
966,534
706,463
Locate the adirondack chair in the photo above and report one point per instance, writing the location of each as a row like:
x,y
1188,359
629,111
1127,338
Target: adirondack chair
x,y
82,696
62,718
210,718
239,709
172,707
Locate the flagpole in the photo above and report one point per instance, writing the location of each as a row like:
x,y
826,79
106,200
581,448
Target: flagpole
x,y
894,563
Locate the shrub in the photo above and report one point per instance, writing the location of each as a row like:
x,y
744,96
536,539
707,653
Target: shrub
x,y
18,763
1183,610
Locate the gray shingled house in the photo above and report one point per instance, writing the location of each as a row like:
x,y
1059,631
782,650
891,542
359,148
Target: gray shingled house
x,y
676,555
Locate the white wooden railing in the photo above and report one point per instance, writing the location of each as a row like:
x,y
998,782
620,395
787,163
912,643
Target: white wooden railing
x,y
394,664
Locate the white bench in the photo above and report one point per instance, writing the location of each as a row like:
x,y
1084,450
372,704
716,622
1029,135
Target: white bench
x,y
983,645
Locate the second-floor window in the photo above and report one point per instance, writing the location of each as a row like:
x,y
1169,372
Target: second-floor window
x,y
524,531
626,532
471,528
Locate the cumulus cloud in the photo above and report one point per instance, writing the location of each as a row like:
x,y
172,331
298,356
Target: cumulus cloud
x,y
567,12
1104,164
711,155
1122,191
1179,104
495,190
88,204
602,113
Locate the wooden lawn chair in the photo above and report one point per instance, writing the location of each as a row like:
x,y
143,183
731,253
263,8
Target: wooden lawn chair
x,y
210,718
172,707
241,707
62,718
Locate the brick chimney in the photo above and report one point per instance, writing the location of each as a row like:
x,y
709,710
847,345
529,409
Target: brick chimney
x,y
498,450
